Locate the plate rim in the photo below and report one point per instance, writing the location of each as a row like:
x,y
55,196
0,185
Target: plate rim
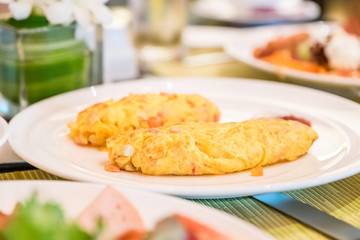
x,y
182,191
310,4
174,201
4,126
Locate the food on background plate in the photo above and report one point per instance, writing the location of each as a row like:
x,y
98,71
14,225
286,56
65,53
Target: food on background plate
x,y
209,148
338,54
102,120
110,216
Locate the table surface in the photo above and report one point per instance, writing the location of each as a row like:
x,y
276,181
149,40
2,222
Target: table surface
x,y
340,199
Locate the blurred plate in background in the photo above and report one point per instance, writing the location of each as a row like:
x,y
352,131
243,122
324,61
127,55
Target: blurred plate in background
x,y
242,48
232,11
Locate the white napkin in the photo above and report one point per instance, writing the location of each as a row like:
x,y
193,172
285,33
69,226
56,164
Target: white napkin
x,y
7,155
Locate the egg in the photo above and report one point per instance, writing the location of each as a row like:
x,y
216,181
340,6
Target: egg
x,y
211,148
135,111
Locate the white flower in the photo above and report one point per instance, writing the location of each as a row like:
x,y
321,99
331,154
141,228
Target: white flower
x,y
62,11
65,11
59,13
20,9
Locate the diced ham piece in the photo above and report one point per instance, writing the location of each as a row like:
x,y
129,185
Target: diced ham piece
x,y
112,167
199,231
116,211
257,171
3,219
156,121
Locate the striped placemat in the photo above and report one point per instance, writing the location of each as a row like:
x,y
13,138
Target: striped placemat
x,y
28,175
340,199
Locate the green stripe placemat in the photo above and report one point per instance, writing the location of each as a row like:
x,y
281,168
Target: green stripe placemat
x,y
28,175
340,199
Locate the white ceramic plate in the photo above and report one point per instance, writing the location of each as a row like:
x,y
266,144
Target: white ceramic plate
x,y
242,48
233,11
196,36
4,131
40,136
74,197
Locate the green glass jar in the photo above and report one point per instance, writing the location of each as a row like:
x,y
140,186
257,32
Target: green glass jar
x,y
40,62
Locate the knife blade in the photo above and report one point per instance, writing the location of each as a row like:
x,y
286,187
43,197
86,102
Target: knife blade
x,y
15,166
312,216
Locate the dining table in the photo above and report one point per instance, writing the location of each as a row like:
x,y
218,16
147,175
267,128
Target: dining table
x,y
340,199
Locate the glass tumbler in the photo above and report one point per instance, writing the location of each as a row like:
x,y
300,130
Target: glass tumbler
x,y
40,62
156,30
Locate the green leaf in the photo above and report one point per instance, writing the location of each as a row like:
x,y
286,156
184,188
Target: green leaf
x,y
41,221
33,21
304,50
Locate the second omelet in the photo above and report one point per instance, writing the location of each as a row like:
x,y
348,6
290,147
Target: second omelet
x,y
210,148
100,121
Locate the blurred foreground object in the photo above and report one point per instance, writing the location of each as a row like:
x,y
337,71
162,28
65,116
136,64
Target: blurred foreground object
x,y
157,27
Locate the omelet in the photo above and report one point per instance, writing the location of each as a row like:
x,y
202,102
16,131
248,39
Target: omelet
x,y
136,111
210,148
